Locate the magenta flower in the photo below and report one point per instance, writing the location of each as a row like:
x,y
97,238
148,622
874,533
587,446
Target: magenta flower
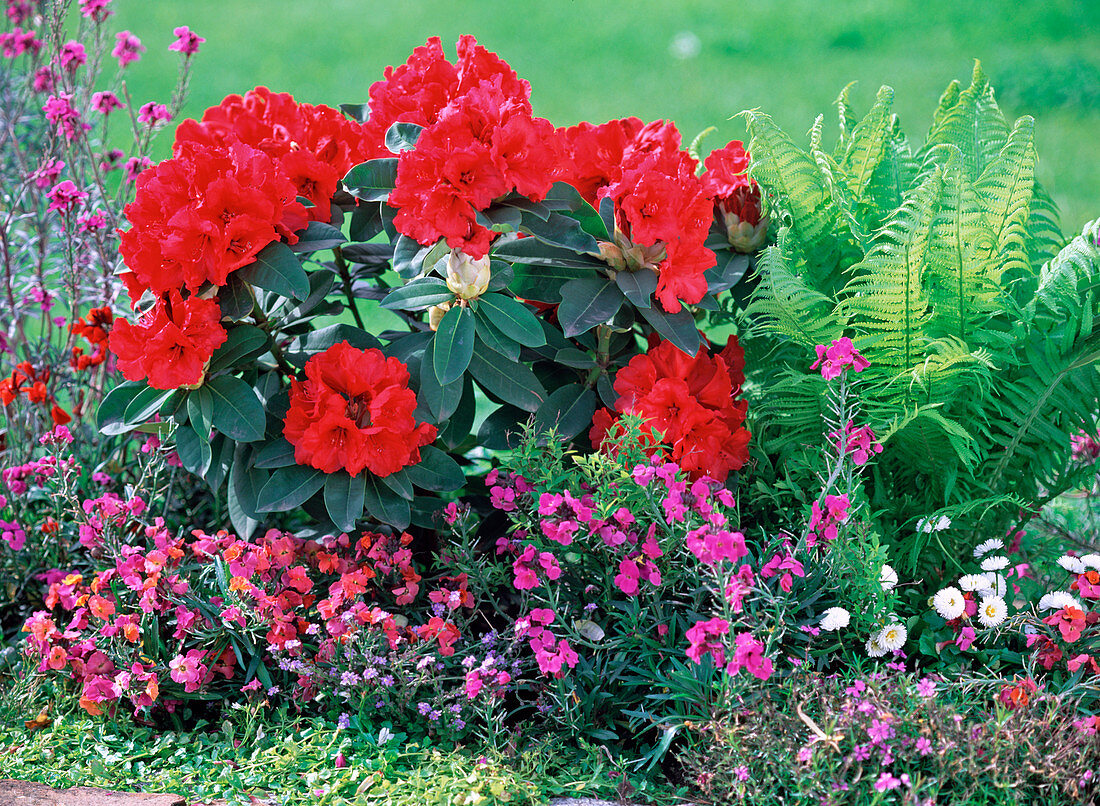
x,y
528,564
19,10
46,173
106,102
701,640
187,41
837,357
188,669
18,42
64,196
134,166
154,114
886,782
44,79
71,56
926,687
60,112
748,654
128,48
95,9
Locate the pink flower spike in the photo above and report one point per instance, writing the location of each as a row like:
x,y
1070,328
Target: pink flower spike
x,y
95,10
128,48
71,56
187,41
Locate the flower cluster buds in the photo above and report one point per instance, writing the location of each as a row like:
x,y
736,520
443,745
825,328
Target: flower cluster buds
x,y
622,255
466,277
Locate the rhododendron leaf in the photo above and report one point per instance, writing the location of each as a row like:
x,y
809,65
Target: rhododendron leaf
x,y
366,223
436,471
200,411
523,203
222,448
560,230
417,295
194,451
289,487
440,401
320,340
607,213
357,112
605,387
501,275
543,283
367,254
409,257
405,347
453,345
678,328
587,303
238,412
277,269
235,299
384,504
728,274
278,453
577,359
372,180
536,253
399,483
501,430
245,485
145,404
511,382
244,341
320,286
568,411
402,136
344,499
317,236
639,286
459,424
500,218
492,338
110,415
511,318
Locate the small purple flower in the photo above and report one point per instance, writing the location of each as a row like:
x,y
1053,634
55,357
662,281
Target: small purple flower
x,y
926,687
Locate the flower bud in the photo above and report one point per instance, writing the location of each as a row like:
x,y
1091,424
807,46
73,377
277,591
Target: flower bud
x,y
746,225
623,255
467,278
436,312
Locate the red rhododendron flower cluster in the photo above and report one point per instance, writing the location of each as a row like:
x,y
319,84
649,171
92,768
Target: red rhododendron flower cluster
x,y
313,145
354,411
690,401
95,329
479,143
172,342
206,212
659,200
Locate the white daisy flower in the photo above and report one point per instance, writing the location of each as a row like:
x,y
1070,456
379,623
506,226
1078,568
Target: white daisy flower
x,y
1075,565
834,618
1091,561
1056,600
892,636
988,546
888,577
949,603
992,611
973,582
995,585
928,526
873,649
995,563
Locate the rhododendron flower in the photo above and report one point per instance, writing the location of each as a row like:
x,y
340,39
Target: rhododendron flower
x,y
127,49
737,196
690,401
171,343
837,357
187,41
701,640
354,412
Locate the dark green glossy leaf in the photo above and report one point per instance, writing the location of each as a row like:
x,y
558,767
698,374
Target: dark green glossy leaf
x,y
244,341
510,381
544,283
410,258
384,504
372,180
562,231
110,414
399,483
402,136
441,401
277,269
577,359
145,404
366,223
492,338
523,203
344,496
500,218
418,294
534,252
222,449
459,424
501,276
568,411
277,453
678,328
405,346
638,286
511,318
200,411
500,430
194,451
436,471
453,345
245,485
320,286
727,273
238,412
235,299
289,487
607,213
357,112
587,303
608,396
317,236
318,341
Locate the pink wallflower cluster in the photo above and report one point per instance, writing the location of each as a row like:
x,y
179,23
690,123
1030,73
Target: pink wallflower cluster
x,y
837,357
859,443
127,49
552,654
1086,447
784,566
705,638
63,115
17,42
824,520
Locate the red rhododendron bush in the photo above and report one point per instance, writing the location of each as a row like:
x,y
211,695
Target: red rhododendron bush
x,y
427,411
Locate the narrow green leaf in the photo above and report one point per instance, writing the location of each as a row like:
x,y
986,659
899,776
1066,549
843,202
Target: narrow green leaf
x,y
344,496
238,412
587,303
436,471
492,338
453,345
145,404
277,269
384,504
399,483
289,487
562,231
200,411
511,318
533,252
511,382
678,328
440,400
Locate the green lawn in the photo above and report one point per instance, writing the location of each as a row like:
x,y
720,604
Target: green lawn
x,y
599,59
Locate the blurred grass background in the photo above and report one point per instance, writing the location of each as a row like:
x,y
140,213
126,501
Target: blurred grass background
x,y
697,62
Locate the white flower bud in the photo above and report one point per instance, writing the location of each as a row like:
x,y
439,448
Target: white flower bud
x,y
467,278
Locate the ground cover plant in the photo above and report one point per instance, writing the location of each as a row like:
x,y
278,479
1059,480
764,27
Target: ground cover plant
x,y
411,442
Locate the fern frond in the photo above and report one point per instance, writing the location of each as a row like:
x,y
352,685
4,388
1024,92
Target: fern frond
x,y
894,176
843,198
950,371
847,119
974,123
787,172
948,101
1044,228
789,416
1065,305
784,305
924,439
885,301
867,144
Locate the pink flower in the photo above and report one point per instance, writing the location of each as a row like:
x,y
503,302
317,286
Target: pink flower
x,y
19,11
926,687
748,654
64,196
837,357
71,56
553,660
47,172
526,566
18,42
701,640
134,166
154,114
966,638
787,564
859,443
738,587
91,222
95,9
188,669
106,102
60,112
128,48
886,782
44,79
187,41
628,576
